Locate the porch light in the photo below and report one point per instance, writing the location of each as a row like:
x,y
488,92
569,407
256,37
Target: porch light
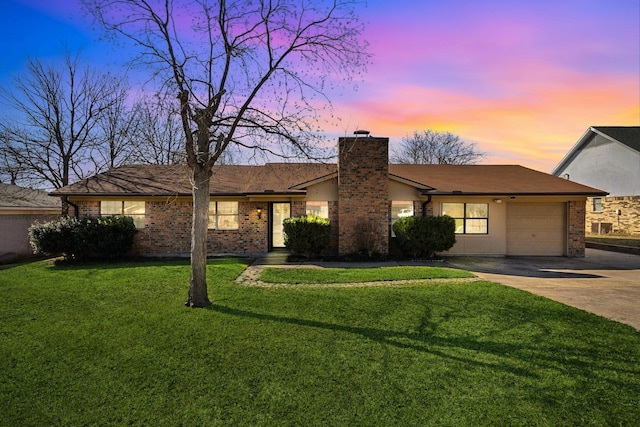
x,y
497,200
259,209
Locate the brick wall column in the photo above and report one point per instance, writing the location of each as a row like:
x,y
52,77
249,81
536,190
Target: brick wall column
x,y
576,218
363,195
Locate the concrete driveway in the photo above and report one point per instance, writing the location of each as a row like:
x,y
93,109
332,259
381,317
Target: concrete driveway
x,y
604,283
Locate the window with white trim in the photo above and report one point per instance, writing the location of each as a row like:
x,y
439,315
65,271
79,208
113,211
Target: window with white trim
x,y
471,218
320,209
223,215
133,208
597,204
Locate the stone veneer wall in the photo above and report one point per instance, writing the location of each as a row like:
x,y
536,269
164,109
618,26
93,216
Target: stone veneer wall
x,y
167,228
363,195
575,241
627,222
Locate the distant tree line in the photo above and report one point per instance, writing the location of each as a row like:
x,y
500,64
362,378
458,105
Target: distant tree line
x,y
433,147
62,122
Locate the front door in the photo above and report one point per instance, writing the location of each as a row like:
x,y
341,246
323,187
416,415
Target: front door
x,y
279,212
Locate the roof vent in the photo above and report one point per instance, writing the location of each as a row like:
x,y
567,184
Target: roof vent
x,y
361,132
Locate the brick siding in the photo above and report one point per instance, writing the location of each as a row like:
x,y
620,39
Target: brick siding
x,y
363,195
167,229
576,216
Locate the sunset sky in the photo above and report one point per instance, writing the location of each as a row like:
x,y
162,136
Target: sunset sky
x,y
521,79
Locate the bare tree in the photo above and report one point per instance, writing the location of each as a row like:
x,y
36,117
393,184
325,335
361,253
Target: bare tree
x,y
432,147
158,135
10,168
245,72
50,125
115,134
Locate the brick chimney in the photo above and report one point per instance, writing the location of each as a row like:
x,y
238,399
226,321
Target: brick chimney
x,y
363,194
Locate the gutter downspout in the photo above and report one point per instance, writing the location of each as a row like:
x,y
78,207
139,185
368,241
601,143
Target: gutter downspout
x,y
76,209
424,205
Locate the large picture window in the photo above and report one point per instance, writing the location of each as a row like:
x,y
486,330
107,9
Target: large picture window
x,y
132,208
320,209
223,215
400,209
471,218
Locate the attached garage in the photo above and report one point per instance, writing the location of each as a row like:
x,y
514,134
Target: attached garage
x,y
19,208
536,229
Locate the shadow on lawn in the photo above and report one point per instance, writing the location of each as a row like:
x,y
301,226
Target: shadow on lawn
x,y
563,358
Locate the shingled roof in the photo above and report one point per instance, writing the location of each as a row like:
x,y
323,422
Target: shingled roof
x,y
173,180
489,179
289,179
15,197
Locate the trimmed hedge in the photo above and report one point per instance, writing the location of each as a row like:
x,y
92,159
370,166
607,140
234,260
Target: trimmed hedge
x,y
307,235
72,238
423,236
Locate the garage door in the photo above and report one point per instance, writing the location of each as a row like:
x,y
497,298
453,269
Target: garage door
x,y
536,229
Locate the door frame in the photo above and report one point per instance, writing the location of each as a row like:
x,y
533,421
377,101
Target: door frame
x,y
270,229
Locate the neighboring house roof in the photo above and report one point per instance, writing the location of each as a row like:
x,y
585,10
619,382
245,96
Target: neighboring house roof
x,y
13,197
625,135
293,178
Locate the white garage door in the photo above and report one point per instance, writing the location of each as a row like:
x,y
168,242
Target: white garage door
x,y
536,229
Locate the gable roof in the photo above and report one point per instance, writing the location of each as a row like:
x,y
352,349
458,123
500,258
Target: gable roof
x,y
294,178
628,136
15,197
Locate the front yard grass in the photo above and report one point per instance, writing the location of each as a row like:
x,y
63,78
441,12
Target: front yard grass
x,y
112,344
358,275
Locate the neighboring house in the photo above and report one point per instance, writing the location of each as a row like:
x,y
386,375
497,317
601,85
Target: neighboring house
x,y
19,208
499,210
607,157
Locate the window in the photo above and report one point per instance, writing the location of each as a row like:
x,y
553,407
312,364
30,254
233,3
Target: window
x,y
223,215
320,209
471,218
132,208
597,204
400,209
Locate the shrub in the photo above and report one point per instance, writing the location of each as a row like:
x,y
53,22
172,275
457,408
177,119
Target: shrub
x,y
58,237
109,237
72,238
424,236
307,235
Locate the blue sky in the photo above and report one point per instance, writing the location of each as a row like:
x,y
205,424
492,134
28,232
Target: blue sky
x,y
521,79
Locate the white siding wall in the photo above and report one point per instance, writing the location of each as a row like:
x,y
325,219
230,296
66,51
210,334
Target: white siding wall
x,y
14,232
606,165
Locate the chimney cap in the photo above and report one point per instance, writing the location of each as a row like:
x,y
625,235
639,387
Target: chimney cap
x,y
361,132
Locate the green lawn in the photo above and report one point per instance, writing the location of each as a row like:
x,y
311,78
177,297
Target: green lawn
x,y
358,275
111,344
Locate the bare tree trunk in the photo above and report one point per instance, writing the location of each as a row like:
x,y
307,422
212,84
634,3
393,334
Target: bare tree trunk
x,y
198,287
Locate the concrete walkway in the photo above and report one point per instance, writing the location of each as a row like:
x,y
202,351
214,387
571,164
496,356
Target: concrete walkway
x,y
251,275
604,283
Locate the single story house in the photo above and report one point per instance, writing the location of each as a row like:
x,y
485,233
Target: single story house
x,y
499,210
607,157
19,208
